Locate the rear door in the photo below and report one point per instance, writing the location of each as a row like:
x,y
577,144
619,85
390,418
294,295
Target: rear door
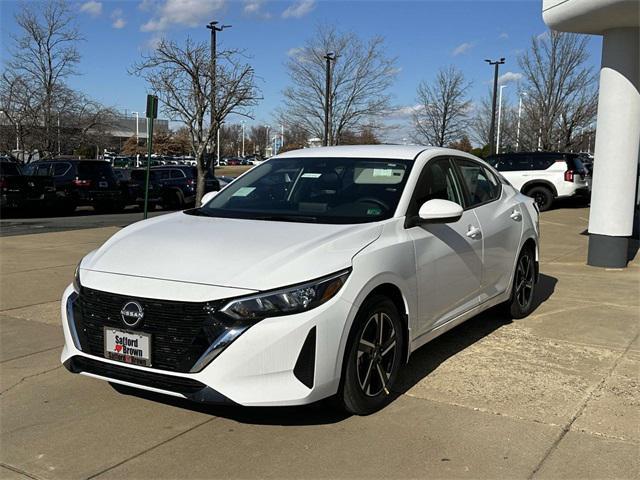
x,y
500,217
448,255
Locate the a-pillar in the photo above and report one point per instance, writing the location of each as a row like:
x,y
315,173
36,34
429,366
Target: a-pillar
x,y
617,150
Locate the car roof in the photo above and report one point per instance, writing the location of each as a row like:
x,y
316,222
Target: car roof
x,y
395,152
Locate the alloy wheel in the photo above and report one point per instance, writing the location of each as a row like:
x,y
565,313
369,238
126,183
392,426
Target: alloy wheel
x,y
524,281
376,356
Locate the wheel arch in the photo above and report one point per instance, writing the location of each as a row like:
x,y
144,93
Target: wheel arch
x,y
389,289
539,183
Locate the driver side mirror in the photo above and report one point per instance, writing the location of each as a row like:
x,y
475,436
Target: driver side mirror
x,y
207,197
439,211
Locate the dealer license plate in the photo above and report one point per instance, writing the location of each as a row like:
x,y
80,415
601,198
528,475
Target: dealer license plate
x,y
128,347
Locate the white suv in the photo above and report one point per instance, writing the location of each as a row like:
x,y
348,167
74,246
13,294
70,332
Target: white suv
x,y
544,176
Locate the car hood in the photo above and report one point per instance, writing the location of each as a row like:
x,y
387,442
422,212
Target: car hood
x,y
239,253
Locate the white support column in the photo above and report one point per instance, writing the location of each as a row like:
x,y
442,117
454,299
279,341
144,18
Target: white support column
x,y
617,149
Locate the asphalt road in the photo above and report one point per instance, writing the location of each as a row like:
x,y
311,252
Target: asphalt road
x,y
81,219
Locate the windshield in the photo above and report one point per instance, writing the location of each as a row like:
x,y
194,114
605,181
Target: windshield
x,y
318,190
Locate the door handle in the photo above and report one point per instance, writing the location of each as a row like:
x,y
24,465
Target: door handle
x,y
516,215
473,232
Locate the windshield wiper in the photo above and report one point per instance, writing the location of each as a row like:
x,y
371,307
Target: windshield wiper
x,y
286,218
198,212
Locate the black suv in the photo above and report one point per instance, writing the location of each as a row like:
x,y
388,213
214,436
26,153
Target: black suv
x,y
80,183
19,191
172,187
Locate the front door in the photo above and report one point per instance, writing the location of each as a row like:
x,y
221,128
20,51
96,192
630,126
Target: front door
x,y
448,255
501,222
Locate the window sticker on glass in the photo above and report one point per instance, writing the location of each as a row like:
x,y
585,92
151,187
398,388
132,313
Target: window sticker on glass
x,y
374,211
378,176
243,191
311,175
382,172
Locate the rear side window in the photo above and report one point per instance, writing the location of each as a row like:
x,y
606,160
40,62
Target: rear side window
x,y
481,184
177,174
59,169
542,162
95,170
514,163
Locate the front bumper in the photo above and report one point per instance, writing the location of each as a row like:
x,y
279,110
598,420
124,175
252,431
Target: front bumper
x,y
270,364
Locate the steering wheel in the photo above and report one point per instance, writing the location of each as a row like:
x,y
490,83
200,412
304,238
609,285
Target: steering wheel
x,y
373,200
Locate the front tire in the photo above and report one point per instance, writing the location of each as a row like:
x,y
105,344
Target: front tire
x,y
373,358
523,290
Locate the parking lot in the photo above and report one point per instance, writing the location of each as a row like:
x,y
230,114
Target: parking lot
x,y
555,395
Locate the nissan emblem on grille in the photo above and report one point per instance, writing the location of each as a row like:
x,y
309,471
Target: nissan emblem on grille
x,y
132,314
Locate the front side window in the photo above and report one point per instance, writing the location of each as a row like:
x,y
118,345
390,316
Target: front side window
x,y
481,185
316,190
437,181
43,170
8,169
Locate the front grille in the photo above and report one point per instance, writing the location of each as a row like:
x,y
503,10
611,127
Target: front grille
x,y
181,385
180,331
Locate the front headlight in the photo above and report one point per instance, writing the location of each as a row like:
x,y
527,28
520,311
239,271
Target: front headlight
x,y
287,301
76,279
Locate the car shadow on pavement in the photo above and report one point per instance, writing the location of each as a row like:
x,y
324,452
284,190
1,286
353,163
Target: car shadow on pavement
x,y
423,361
429,357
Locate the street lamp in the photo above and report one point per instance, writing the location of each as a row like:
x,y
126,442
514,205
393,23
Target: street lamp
x,y
492,129
218,142
243,124
329,57
137,131
499,119
213,26
522,94
267,141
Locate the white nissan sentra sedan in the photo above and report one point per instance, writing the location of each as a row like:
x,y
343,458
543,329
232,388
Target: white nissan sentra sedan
x,y
315,274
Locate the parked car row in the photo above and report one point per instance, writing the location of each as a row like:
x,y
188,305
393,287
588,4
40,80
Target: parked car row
x,y
62,185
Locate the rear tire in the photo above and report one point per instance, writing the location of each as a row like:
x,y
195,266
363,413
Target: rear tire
x,y
173,200
523,290
543,197
373,357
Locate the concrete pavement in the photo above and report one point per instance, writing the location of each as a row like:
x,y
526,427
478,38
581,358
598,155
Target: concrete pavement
x,y
555,395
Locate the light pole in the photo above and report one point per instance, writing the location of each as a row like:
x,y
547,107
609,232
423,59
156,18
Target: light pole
x,y
267,140
137,130
329,57
492,129
218,142
522,94
243,123
499,119
213,26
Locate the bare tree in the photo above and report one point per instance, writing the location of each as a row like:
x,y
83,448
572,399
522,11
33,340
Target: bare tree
x,y
444,107
258,139
180,76
231,139
360,80
561,90
20,106
44,55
